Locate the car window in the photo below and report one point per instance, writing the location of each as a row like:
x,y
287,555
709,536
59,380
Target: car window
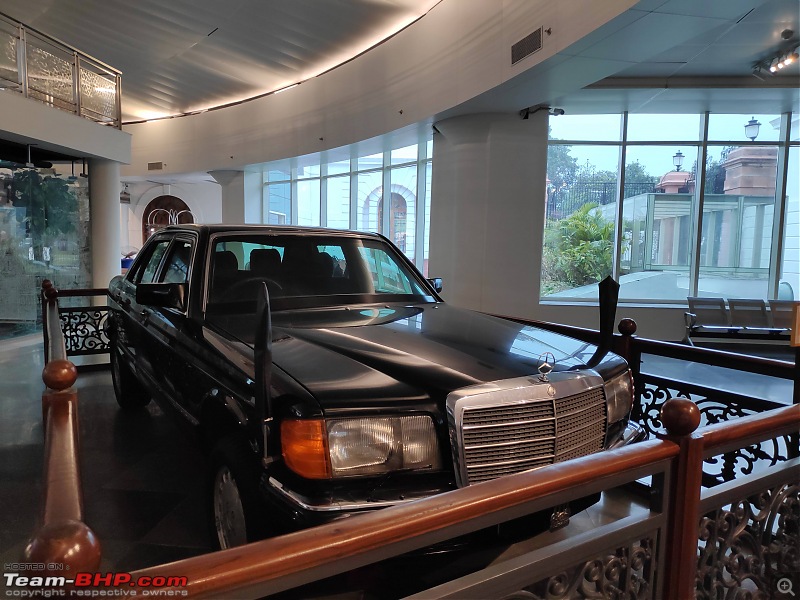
x,y
176,266
146,271
387,278
310,269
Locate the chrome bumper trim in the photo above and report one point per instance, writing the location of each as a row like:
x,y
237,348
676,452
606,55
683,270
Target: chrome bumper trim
x,y
332,505
633,433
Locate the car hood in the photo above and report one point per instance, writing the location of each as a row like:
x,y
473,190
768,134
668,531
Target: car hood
x,y
344,355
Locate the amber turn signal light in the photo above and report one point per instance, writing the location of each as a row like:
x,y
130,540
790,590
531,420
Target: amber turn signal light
x,y
304,443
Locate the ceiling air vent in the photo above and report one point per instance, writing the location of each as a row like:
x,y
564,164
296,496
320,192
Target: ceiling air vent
x,y
526,46
155,166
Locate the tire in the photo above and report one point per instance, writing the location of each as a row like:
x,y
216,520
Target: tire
x,y
129,392
237,515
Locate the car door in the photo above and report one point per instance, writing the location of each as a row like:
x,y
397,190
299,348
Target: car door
x,y
132,316
169,336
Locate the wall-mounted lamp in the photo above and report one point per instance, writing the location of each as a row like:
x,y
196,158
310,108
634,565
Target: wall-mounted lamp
x,y
677,160
751,129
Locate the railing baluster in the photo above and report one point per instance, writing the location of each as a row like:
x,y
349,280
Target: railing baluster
x,y
681,418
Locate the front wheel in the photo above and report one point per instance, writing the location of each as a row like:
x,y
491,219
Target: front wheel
x,y
237,517
129,392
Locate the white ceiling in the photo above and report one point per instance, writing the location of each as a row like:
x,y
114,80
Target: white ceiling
x,y
185,55
179,56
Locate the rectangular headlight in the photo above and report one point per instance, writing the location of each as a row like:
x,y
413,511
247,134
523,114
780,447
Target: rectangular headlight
x,y
619,396
369,446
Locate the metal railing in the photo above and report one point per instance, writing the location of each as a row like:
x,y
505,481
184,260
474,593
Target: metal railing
x,y
83,328
43,68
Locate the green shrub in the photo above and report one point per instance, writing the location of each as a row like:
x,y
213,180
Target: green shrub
x,y
578,250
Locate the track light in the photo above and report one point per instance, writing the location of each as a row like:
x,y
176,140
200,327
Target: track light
x,y
778,61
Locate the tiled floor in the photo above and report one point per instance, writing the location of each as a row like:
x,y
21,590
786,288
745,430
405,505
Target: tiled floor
x,y
143,479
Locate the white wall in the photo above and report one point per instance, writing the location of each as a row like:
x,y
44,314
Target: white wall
x,y
458,51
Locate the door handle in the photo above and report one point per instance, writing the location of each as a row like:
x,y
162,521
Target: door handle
x,y
146,312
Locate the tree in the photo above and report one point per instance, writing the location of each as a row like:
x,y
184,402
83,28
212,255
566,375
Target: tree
x,y
636,172
49,203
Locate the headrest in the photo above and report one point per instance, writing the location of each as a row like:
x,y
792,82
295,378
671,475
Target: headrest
x,y
225,262
265,261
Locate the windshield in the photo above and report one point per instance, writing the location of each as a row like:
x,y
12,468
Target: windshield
x,y
299,267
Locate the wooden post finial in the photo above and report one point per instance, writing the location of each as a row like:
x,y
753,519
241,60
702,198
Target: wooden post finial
x,y
627,326
59,374
71,545
680,416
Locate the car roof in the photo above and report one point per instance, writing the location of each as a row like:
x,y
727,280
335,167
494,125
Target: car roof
x,y
278,229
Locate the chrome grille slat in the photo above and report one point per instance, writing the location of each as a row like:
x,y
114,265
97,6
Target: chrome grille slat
x,y
510,427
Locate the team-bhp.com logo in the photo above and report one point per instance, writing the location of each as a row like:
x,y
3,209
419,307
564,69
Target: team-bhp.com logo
x,y
93,585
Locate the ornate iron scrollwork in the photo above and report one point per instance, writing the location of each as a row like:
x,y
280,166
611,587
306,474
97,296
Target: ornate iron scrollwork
x,y
627,572
713,410
85,330
747,547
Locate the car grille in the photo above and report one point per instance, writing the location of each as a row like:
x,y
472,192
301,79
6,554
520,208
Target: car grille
x,y
503,432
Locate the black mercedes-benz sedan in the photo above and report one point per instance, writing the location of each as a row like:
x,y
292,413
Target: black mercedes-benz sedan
x,y
326,376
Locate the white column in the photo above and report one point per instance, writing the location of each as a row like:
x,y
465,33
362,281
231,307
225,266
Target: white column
x,y
104,189
241,196
487,210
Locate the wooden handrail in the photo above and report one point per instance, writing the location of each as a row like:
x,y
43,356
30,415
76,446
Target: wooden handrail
x,y
277,564
725,436
64,544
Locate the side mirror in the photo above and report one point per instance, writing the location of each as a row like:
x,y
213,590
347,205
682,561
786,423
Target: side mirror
x,y
162,295
436,282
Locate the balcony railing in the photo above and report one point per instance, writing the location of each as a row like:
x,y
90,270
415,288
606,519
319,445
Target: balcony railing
x,y
42,68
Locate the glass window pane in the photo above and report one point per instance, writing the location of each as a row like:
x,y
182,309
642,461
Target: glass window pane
x,y
722,128
370,195
337,168
594,128
789,285
429,149
308,171
655,128
404,155
579,220
278,175
374,161
278,204
737,219
402,221
308,202
657,223
427,246
338,216
176,267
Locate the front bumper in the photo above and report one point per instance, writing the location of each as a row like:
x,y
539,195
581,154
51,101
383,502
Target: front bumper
x,y
633,433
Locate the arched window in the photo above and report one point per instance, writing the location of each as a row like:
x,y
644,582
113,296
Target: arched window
x,y
162,211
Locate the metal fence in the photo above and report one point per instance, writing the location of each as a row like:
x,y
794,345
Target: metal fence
x,y
565,201
54,73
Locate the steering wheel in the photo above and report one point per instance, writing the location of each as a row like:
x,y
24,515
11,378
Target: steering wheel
x,y
240,289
